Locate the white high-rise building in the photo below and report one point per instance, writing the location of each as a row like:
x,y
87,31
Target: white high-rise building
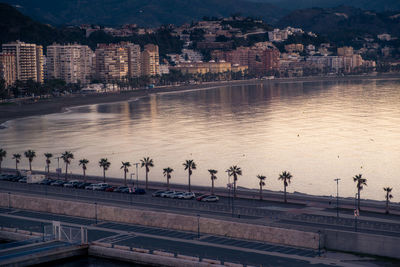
x,y
28,60
71,63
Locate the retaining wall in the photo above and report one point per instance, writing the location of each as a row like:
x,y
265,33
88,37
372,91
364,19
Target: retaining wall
x,y
379,245
163,220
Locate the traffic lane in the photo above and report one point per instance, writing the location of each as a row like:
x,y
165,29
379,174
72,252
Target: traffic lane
x,y
211,252
319,226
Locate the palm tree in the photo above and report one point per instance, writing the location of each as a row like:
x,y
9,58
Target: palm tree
x,y
285,177
67,156
234,171
83,163
167,173
147,162
189,165
48,161
388,196
213,177
17,158
105,164
30,154
360,185
3,154
262,183
125,166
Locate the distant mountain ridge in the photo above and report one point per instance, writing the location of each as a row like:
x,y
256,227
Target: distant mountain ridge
x,y
343,22
144,13
376,5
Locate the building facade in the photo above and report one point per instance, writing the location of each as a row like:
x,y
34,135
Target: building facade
x,y
28,60
150,60
111,62
71,63
8,69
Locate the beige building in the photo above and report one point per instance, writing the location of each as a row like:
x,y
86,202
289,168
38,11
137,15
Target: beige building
x,y
111,62
134,60
150,60
28,60
204,67
8,69
71,63
345,51
290,48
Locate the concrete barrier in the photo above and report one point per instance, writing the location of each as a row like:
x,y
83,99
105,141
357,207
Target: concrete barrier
x,y
122,247
164,254
211,261
357,242
144,258
189,258
230,264
170,221
140,250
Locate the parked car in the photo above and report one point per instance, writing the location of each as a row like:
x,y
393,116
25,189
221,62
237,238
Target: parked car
x,y
187,195
110,188
71,184
120,189
16,178
158,193
101,187
47,181
199,198
58,183
23,180
176,195
82,185
167,193
91,186
210,199
139,191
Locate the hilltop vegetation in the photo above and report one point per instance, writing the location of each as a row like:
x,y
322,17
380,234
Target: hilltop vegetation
x,y
144,13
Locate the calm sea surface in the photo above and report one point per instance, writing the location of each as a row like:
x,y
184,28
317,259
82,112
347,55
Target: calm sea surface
x,y
316,130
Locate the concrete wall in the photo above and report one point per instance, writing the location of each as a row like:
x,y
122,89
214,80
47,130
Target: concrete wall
x,y
386,246
163,220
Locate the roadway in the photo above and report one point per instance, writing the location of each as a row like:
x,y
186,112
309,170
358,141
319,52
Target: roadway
x,y
272,213
185,243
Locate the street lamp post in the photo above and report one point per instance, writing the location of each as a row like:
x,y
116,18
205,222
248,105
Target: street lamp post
x,y
337,196
133,184
355,212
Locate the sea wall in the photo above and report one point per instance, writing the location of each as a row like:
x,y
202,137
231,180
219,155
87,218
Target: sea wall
x,y
164,220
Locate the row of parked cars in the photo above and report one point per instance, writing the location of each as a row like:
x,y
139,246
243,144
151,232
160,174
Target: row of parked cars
x,y
13,178
185,195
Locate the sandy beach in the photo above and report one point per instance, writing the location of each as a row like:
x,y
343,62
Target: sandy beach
x,y
58,104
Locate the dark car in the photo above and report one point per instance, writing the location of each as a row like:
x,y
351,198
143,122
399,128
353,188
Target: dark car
x,y
17,178
47,181
158,193
58,183
139,191
23,180
122,189
82,185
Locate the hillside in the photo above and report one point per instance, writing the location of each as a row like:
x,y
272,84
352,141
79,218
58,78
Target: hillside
x,y
376,5
145,13
343,23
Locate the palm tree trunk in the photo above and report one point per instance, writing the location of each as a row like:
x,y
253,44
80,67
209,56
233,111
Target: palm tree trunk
x,y
66,171
212,187
30,165
48,169
147,176
84,175
234,188
104,175
358,199
0,166
387,203
190,190
167,183
16,165
285,193
125,177
260,191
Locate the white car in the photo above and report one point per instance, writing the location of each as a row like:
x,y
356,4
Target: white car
x,y
210,199
167,193
176,195
187,195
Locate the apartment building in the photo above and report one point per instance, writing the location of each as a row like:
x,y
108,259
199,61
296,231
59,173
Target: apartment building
x,y
150,60
28,60
71,63
134,60
8,69
111,62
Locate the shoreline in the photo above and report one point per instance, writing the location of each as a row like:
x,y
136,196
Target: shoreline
x,y
62,104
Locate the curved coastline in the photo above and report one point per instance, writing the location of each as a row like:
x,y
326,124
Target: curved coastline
x,y
63,104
